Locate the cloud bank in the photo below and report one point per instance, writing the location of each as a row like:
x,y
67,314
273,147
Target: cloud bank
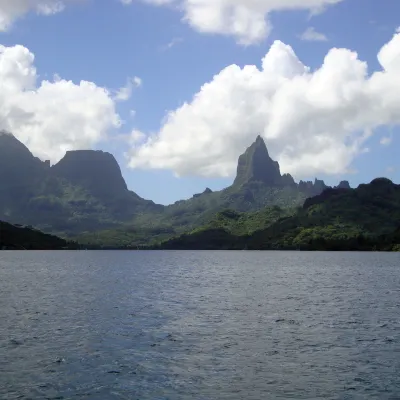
x,y
313,121
51,117
246,20
11,10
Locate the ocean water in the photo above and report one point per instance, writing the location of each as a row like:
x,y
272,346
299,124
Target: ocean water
x,y
199,325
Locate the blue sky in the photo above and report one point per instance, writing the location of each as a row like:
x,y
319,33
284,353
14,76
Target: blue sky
x,y
106,43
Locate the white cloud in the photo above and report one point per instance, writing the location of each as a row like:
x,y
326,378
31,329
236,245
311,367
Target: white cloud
x,y
386,140
51,117
246,20
125,93
313,121
11,10
311,35
136,137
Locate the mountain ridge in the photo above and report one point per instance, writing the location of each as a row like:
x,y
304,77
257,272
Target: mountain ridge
x,y
254,165
85,192
76,194
364,218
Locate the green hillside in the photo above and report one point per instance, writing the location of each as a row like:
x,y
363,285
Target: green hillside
x,y
27,238
365,218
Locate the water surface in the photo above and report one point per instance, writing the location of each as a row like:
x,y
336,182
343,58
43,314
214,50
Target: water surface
x,y
199,325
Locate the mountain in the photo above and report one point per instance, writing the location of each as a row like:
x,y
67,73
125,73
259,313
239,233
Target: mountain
x,y
255,165
99,175
96,171
258,184
343,185
85,191
26,238
86,194
365,218
18,167
20,175
339,219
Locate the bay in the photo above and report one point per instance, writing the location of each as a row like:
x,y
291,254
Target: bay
x,y
199,325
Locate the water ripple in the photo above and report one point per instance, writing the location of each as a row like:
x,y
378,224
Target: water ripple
x,y
199,325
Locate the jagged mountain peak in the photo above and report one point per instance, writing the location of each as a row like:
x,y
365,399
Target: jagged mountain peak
x,y
343,185
8,139
15,157
13,150
255,164
260,140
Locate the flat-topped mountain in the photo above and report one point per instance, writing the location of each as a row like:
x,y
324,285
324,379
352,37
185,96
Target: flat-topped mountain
x,y
96,171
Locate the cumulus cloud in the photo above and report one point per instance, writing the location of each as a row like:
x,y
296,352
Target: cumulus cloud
x,y
246,20
11,10
311,35
51,117
125,93
136,137
313,121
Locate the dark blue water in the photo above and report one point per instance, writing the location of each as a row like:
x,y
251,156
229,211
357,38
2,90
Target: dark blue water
x,y
199,325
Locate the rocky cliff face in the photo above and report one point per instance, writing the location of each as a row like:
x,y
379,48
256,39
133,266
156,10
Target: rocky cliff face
x,y
20,175
17,164
96,171
312,188
255,165
84,191
343,185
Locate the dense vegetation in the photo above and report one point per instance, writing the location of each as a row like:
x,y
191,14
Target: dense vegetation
x,y
186,216
227,229
27,238
366,218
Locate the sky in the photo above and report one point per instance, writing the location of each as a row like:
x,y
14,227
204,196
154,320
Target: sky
x,y
177,89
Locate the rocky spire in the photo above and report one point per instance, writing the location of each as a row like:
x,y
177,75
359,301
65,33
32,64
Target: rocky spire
x,y
255,165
